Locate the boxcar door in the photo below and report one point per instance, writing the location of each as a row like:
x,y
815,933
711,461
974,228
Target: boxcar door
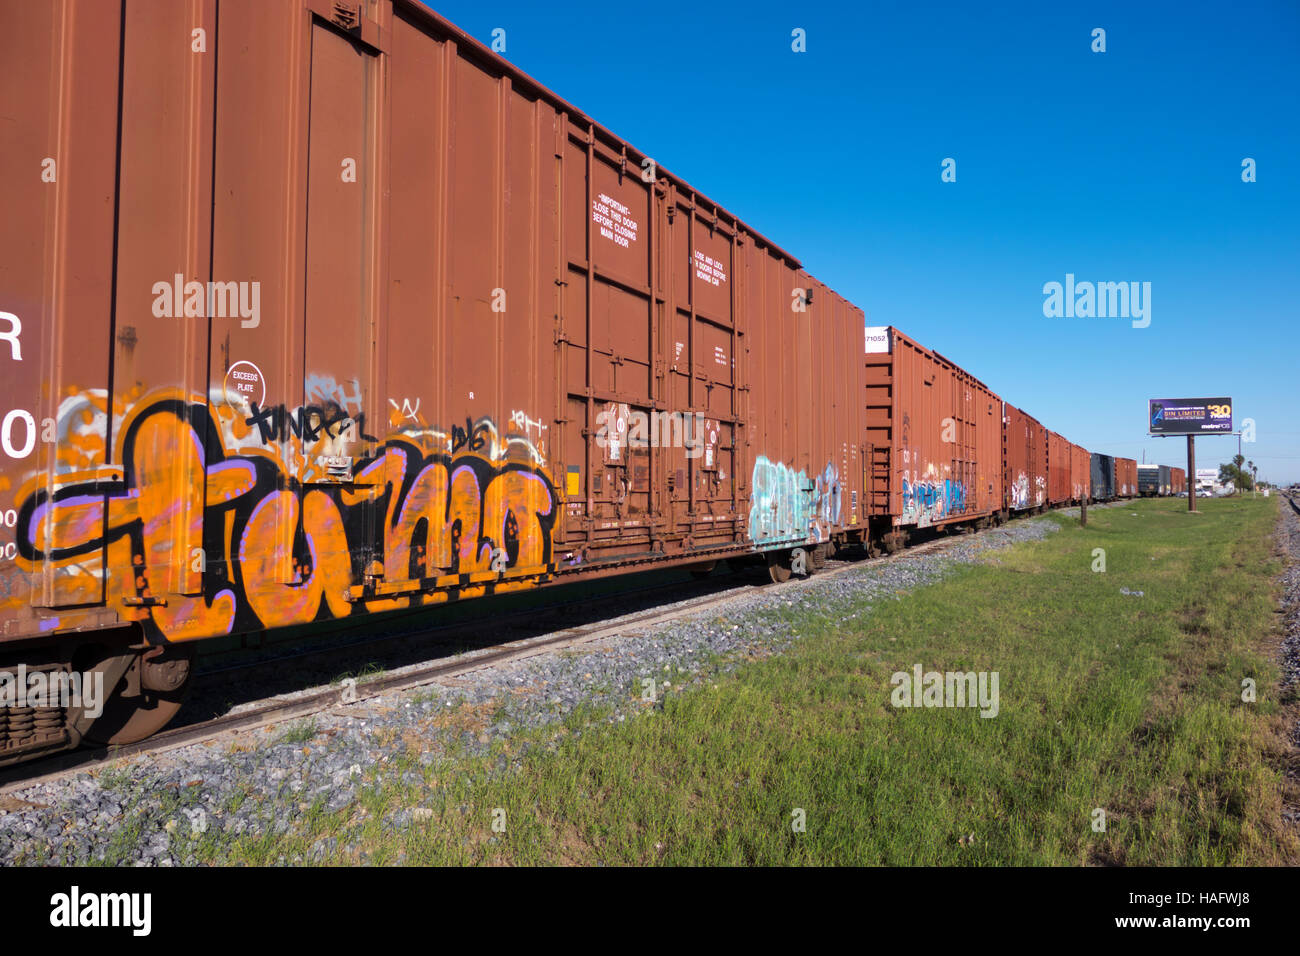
x,y
56,473
162,312
338,425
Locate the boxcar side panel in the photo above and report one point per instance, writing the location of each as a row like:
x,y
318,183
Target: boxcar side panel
x,y
1080,473
57,187
1059,467
1025,464
943,431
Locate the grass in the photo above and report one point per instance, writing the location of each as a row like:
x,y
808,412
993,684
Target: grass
x,y
1108,702
302,732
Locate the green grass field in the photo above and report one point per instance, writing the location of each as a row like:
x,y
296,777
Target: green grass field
x,y
1127,704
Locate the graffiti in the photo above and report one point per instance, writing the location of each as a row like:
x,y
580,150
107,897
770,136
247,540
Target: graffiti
x,y
405,412
420,515
785,505
1019,492
927,498
309,422
523,423
1019,495
826,501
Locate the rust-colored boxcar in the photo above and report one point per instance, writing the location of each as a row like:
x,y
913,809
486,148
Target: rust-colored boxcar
x,y
1080,473
1126,477
934,436
1059,465
1024,455
1177,480
347,314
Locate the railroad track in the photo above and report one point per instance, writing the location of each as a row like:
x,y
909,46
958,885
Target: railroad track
x,y
329,698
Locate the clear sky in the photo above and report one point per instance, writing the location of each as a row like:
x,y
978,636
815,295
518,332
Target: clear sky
x,y
1117,166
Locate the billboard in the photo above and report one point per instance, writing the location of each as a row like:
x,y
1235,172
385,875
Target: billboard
x,y
1189,416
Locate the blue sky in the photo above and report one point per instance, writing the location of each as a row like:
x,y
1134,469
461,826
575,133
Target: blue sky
x,y
1115,166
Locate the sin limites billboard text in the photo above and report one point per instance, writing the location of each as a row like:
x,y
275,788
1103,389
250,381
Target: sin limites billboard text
x,y
1189,416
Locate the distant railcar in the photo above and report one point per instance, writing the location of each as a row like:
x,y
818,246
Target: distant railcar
x,y
1102,477
1080,473
1059,469
934,440
1024,480
1148,480
1126,477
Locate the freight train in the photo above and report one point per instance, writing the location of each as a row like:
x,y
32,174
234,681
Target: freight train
x,y
319,309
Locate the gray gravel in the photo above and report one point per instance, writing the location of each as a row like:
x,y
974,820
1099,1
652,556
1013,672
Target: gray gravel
x,y
132,812
1288,538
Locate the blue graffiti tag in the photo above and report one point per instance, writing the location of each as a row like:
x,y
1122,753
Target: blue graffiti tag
x,y
927,501
785,505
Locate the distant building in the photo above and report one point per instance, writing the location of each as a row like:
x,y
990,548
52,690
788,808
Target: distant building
x,y
1207,480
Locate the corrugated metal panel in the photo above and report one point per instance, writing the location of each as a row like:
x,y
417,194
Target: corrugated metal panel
x,y
1126,482
1025,461
943,431
805,420
57,171
1080,473
1148,479
1102,477
1059,466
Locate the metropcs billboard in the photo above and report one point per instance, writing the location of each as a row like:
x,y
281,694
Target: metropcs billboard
x,y
1189,416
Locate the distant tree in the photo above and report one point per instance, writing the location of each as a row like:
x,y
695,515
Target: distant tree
x,y
1237,473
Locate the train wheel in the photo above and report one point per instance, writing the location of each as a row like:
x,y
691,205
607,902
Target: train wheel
x,y
778,566
895,541
702,570
146,696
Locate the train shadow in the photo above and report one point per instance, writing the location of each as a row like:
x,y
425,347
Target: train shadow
x,y
243,672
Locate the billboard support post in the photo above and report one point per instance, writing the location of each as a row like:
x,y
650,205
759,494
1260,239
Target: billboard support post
x,y
1190,417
